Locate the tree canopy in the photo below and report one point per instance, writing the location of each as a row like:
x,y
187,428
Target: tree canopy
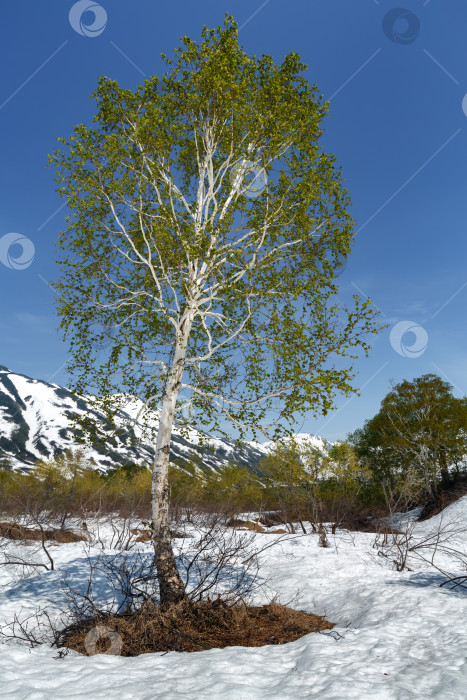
x,y
167,229
419,431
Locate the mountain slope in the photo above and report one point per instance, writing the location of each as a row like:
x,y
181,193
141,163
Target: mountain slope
x,y
35,419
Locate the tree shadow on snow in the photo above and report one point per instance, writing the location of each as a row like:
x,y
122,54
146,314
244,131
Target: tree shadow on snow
x,y
430,580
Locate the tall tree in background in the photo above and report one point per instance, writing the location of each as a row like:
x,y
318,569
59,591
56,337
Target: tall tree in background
x,y
206,232
420,430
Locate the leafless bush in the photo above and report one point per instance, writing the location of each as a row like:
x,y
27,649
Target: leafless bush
x,y
221,571
455,581
27,558
220,561
216,563
400,537
42,626
110,531
127,579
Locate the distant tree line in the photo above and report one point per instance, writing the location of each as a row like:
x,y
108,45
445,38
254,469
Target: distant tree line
x,y
414,447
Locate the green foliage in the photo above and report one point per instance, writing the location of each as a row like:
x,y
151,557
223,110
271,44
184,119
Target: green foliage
x,y
237,486
321,485
287,480
346,468
129,470
68,485
419,431
315,489
161,226
232,489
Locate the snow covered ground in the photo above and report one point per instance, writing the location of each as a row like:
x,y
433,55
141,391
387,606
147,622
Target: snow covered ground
x,y
398,634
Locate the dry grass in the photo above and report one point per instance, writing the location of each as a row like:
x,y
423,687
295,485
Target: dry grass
x,y
196,627
254,526
244,525
13,531
143,535
272,518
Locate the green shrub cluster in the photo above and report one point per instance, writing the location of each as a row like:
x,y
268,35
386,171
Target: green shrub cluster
x,y
302,483
69,486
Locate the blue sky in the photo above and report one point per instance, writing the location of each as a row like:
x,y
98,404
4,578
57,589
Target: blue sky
x,y
397,126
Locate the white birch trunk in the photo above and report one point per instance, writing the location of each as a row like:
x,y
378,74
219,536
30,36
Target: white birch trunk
x,y
170,584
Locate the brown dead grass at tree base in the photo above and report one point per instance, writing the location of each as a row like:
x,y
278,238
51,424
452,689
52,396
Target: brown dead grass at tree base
x,y
196,627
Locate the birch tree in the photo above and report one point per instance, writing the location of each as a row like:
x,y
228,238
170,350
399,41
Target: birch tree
x,y
417,435
206,233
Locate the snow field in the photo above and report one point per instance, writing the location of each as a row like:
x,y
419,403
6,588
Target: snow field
x,y
397,634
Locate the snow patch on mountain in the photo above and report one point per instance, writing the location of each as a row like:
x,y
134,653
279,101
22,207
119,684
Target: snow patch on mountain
x,y
36,423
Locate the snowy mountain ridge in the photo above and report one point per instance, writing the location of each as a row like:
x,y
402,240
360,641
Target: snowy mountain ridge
x,y
35,423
